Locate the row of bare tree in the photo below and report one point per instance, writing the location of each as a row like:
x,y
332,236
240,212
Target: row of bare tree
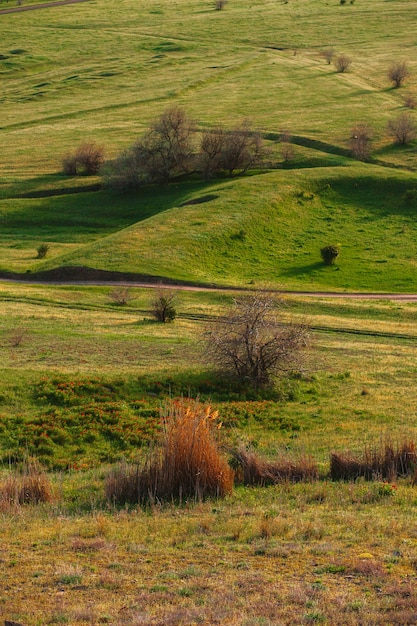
x,y
173,147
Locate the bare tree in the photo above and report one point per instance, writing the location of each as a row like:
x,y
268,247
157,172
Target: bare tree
x,y
121,295
328,55
166,150
286,147
211,150
87,159
342,63
398,72
252,344
402,128
243,148
410,100
360,142
164,305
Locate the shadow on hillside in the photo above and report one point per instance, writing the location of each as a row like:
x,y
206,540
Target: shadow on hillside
x,y
86,213
303,270
379,196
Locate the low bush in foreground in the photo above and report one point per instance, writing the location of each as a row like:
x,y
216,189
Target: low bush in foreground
x,y
388,461
31,485
253,470
186,464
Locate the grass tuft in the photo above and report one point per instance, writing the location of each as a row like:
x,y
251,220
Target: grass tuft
x,y
29,486
253,470
387,461
186,464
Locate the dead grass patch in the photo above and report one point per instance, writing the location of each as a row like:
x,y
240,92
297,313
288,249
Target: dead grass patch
x,y
30,485
387,461
251,469
186,464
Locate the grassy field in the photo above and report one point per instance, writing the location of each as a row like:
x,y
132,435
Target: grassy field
x,y
82,384
103,72
83,380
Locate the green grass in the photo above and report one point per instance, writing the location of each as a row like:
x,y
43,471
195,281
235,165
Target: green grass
x,y
82,380
103,73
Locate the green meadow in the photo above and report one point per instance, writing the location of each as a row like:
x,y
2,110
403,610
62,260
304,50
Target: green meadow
x,y
83,380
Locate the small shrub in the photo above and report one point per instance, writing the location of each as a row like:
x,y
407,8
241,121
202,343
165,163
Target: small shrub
x,y
253,470
329,254
121,295
410,101
286,147
163,306
386,461
360,142
342,63
220,4
69,165
29,486
87,160
42,250
398,72
402,128
328,55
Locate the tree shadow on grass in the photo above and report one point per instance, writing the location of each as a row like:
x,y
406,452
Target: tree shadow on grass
x,y
303,270
88,213
377,197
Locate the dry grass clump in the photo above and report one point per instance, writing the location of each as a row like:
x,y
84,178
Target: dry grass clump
x,y
253,470
186,463
387,461
31,485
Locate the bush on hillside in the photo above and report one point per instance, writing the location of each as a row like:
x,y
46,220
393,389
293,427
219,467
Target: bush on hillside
x,y
398,72
329,254
87,159
43,250
360,142
121,295
342,63
402,128
163,306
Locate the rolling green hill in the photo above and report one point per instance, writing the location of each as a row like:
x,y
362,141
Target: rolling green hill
x,y
102,72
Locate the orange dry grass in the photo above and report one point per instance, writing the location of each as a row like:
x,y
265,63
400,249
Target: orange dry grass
x,y
386,461
253,470
186,464
30,486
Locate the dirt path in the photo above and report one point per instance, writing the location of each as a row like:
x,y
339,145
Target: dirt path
x,y
358,295
45,5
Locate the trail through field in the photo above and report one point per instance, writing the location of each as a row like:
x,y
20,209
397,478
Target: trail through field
x,y
45,5
159,284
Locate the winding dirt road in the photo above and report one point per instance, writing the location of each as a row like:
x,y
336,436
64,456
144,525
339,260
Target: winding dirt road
x,y
33,7
358,295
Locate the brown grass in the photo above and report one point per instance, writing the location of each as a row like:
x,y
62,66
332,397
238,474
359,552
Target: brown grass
x,y
253,470
31,485
186,464
387,461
